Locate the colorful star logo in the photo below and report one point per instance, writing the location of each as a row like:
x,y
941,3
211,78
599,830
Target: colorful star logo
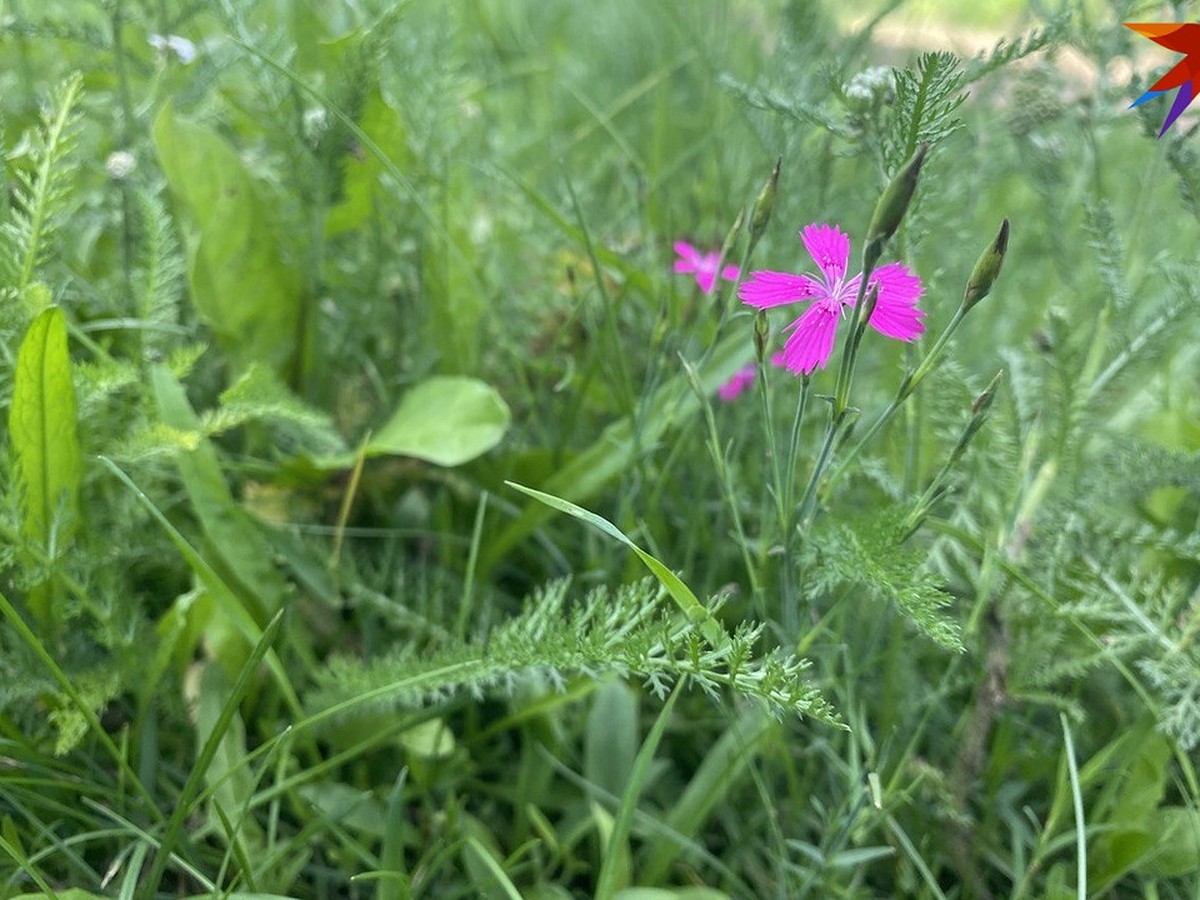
x,y
1182,38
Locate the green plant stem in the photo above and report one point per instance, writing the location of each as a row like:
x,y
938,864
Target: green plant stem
x,y
714,444
794,443
908,385
790,607
782,496
850,351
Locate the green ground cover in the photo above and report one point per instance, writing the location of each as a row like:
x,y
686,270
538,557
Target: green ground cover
x,y
383,514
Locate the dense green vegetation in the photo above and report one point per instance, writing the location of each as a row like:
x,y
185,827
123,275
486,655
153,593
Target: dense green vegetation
x,y
374,520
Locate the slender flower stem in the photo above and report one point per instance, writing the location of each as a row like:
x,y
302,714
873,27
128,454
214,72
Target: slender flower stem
x,y
782,497
850,352
718,456
791,618
794,443
808,501
908,384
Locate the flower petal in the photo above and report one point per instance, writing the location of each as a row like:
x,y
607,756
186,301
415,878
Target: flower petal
x,y
829,248
687,252
810,345
896,314
766,289
737,383
706,278
731,273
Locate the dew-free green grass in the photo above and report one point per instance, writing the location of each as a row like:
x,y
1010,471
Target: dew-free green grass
x,y
446,454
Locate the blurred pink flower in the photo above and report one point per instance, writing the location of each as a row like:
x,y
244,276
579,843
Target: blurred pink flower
x,y
702,265
742,379
811,341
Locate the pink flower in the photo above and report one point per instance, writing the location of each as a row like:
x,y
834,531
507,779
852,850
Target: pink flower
x,y
811,341
743,378
703,265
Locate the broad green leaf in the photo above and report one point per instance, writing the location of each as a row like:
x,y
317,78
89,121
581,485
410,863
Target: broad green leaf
x,y
363,174
451,287
446,420
611,739
432,739
682,594
1177,851
240,282
221,747
616,851
619,859
42,428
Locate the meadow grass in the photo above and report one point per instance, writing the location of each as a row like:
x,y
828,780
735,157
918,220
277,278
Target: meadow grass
x,y
379,519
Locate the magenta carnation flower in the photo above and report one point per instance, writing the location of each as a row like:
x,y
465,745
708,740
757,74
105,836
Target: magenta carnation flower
x,y
743,378
702,265
811,341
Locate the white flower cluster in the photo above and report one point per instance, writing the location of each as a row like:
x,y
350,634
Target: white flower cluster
x,y
120,165
183,49
871,84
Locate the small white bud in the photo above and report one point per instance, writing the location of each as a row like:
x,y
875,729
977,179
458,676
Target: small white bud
x,y
120,165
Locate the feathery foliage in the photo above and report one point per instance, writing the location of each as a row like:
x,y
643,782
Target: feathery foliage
x,y
928,96
40,192
628,632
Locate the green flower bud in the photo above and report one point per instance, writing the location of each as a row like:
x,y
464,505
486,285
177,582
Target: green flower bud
x,y
764,205
983,276
890,210
762,330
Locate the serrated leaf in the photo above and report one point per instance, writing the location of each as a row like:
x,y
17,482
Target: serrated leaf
x,y
868,551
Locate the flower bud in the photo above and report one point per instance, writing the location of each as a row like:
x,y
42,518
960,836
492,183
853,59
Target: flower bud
x,y
983,276
890,210
120,165
984,400
762,330
764,205
732,235
979,414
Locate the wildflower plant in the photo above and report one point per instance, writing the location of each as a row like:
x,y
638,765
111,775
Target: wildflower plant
x,y
377,514
706,267
832,295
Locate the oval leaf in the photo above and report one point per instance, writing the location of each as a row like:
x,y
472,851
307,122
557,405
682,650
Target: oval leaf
x,y
447,420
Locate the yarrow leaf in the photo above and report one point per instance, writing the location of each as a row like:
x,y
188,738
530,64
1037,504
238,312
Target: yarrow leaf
x,y
927,97
868,552
629,632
